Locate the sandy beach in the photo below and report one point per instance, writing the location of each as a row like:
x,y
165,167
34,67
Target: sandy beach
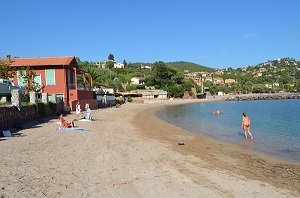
x,y
129,152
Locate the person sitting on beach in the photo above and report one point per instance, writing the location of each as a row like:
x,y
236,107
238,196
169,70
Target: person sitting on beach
x,y
64,123
88,113
246,122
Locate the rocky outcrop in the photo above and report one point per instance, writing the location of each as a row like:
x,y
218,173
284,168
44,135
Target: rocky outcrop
x,y
277,96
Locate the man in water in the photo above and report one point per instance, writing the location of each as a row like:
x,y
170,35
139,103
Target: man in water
x,y
246,122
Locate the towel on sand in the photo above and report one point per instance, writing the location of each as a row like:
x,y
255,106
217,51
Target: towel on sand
x,y
72,129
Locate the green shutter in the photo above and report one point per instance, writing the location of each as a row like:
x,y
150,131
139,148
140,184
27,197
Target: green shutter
x,y
37,79
21,82
50,76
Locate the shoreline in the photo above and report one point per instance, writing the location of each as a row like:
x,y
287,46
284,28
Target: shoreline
x,y
218,139
248,162
129,152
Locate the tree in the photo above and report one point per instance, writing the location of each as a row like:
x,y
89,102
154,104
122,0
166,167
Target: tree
x,y
28,76
6,71
93,74
168,79
111,57
248,86
109,64
125,63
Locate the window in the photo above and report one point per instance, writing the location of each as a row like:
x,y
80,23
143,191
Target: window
x,y
50,76
37,79
21,81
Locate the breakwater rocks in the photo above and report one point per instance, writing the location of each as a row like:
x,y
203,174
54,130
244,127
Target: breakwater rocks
x,y
277,96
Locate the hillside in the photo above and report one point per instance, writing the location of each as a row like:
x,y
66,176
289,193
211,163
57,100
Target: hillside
x,y
181,65
192,67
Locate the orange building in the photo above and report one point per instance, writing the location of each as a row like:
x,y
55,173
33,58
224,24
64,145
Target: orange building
x,y
58,76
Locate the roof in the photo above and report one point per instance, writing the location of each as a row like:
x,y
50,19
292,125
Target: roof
x,y
42,61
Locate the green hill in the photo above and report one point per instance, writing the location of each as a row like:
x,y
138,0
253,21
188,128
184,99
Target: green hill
x,y
192,67
181,65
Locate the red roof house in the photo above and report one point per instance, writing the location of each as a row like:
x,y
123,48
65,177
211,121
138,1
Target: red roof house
x,y
58,75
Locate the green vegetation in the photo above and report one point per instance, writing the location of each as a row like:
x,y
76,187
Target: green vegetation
x,y
191,67
161,76
269,77
169,79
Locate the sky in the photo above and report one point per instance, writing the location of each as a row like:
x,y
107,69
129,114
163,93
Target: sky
x,y
213,33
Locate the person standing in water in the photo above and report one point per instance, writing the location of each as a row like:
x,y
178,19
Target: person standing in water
x,y
246,122
217,112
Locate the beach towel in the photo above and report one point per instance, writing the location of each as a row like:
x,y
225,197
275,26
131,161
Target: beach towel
x,y
85,120
6,133
72,129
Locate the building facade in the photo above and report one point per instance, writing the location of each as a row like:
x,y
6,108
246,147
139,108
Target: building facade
x,y
57,75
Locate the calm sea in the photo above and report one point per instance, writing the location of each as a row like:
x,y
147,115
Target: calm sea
x,y
275,123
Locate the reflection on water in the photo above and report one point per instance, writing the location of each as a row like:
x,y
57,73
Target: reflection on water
x,y
275,124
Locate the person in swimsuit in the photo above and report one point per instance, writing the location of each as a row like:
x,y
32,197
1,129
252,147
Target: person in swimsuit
x,y
64,123
246,122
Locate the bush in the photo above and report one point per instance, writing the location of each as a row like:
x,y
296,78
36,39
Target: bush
x,y
140,87
26,98
129,99
130,87
4,103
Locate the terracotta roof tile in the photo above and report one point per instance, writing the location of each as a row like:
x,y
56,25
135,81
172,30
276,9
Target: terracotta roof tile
x,y
43,61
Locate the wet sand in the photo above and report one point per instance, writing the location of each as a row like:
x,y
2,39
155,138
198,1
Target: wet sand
x,y
129,152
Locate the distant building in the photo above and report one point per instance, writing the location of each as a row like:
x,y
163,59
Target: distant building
x,y
218,81
152,94
104,63
258,74
137,81
145,67
219,72
229,81
208,79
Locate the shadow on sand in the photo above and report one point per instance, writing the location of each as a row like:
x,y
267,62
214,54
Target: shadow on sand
x,y
16,131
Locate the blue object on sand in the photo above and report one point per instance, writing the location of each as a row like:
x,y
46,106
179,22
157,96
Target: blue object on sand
x,y
72,129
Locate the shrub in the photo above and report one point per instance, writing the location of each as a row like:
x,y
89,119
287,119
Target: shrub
x,y
26,98
129,99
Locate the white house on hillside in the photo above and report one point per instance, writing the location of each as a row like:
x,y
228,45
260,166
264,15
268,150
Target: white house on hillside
x,y
116,64
137,81
145,67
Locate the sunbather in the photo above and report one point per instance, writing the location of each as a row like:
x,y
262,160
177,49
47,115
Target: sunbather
x,y
64,123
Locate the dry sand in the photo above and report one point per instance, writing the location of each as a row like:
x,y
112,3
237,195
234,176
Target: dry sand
x,y
128,152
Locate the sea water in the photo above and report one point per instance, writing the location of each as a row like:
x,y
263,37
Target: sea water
x,y
275,124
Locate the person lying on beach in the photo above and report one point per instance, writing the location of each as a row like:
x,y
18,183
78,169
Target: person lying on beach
x,y
246,122
64,123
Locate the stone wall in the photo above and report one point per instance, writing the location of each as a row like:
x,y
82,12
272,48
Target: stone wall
x,y
17,114
9,116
